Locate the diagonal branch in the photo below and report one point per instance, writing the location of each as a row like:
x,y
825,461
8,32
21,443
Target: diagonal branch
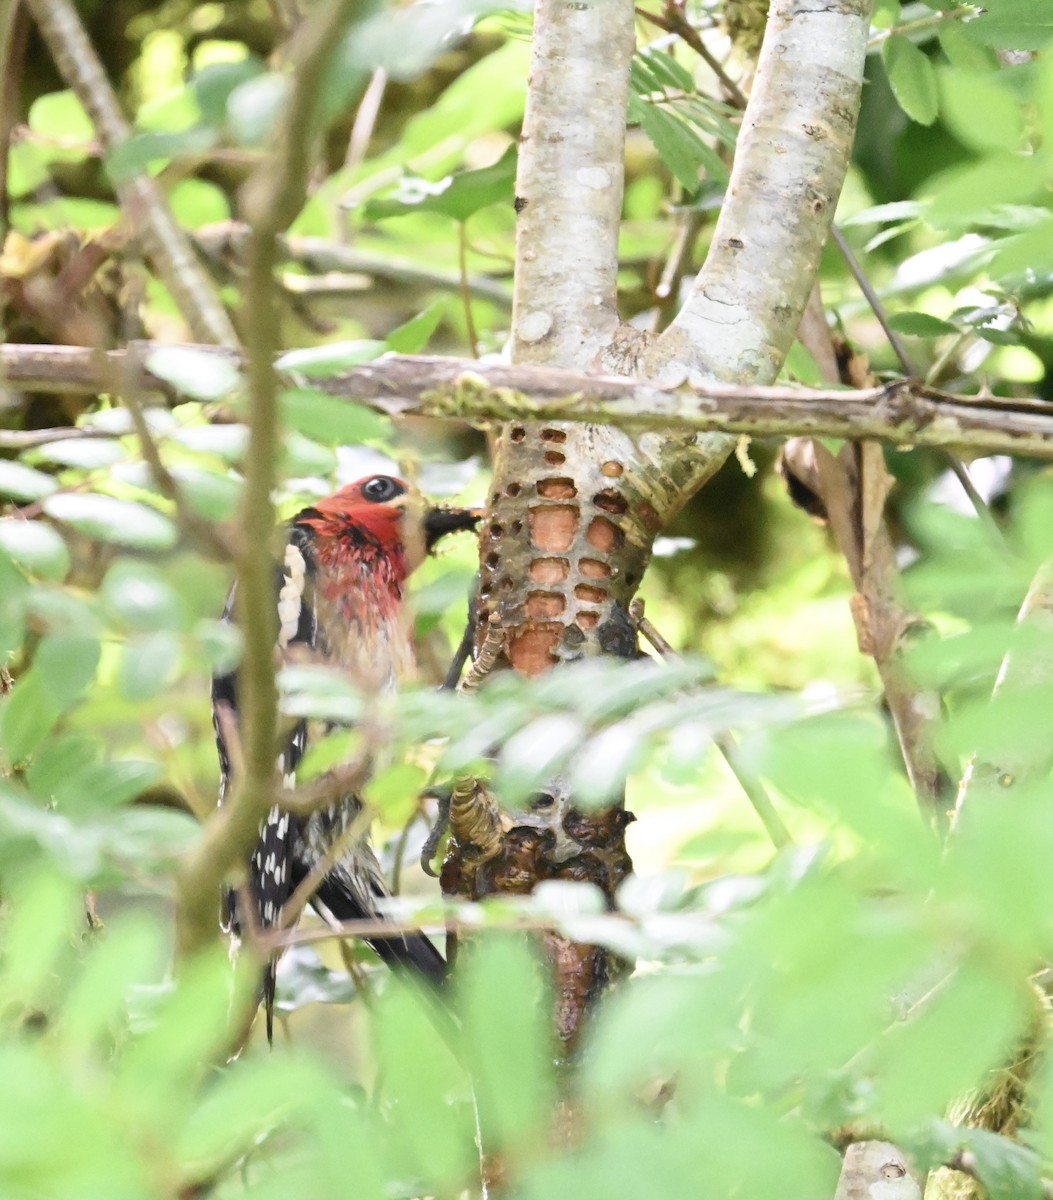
x,y
744,309
167,245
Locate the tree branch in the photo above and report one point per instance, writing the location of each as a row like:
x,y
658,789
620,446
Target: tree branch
x,y
904,413
323,256
793,150
166,244
569,182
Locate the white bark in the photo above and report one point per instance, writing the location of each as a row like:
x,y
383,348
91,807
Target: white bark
x,y
569,186
793,151
877,1171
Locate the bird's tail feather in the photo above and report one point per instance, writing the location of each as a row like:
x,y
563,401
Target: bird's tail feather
x,y
411,951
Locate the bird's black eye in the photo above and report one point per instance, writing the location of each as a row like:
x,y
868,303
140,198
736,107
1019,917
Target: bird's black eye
x,y
382,488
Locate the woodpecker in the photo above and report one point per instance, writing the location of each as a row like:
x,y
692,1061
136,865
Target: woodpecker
x,y
340,599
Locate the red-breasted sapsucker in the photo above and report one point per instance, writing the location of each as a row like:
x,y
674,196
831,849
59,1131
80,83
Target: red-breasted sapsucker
x,y
340,593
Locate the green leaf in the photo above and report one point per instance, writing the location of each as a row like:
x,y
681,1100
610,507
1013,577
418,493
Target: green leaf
x,y
28,715
412,336
202,374
36,546
677,145
210,494
196,202
43,913
133,158
137,595
85,453
912,79
149,664
329,419
600,767
305,979
457,196
103,785
60,117
433,1139
331,359
965,194
213,84
228,442
255,107
123,522
24,483
64,757
66,663
1012,25
95,1006
919,324
980,112
533,755
508,1038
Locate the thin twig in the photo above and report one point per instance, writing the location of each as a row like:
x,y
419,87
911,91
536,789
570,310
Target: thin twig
x,y
754,789
931,20
365,119
855,269
324,256
466,291
958,468
672,20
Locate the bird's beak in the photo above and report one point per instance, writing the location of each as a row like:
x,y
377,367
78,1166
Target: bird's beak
x,y
440,521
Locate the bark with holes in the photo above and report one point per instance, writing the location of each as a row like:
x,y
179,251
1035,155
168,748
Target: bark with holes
x,y
575,507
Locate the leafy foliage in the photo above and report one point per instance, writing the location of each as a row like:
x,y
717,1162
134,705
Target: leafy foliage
x,y
859,977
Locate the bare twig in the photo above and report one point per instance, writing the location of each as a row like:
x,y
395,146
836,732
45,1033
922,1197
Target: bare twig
x,y
140,197
959,469
14,30
673,20
754,789
323,256
466,289
365,119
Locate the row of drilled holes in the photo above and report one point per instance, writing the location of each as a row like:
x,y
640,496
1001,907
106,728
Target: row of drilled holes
x,y
604,535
